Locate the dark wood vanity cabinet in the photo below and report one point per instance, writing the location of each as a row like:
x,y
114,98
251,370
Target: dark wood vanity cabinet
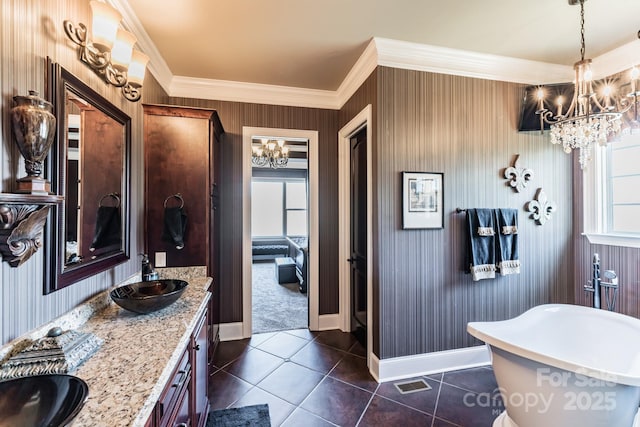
x,y
200,373
184,402
170,406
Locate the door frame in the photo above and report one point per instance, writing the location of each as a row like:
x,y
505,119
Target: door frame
x,y
362,119
312,273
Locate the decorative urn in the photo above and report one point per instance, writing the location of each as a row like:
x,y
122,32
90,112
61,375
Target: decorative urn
x,y
34,127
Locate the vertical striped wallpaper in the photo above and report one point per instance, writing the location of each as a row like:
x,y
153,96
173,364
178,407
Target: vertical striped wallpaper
x,y
30,31
467,129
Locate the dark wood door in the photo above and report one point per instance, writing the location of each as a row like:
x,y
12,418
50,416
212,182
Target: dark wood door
x,y
358,258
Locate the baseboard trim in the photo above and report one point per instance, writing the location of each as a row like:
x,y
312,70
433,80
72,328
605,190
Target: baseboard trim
x,y
231,331
428,363
328,321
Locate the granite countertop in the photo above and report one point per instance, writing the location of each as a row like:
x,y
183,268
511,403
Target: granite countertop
x,y
139,354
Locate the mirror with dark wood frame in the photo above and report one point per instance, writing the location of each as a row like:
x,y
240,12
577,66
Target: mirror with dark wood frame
x,y
89,165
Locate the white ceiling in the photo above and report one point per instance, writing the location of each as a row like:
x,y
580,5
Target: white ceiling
x,y
314,44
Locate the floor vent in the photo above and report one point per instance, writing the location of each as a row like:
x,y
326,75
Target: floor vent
x,y
412,386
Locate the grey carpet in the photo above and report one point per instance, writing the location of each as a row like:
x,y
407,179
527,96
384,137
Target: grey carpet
x,y
246,416
276,307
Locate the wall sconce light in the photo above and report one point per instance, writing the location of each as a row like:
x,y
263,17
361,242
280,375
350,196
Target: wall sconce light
x,y
109,51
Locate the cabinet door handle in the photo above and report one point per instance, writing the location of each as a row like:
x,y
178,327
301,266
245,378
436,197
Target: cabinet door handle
x,y
197,347
182,425
182,379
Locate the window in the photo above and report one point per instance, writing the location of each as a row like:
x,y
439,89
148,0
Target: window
x,y
296,207
612,199
278,207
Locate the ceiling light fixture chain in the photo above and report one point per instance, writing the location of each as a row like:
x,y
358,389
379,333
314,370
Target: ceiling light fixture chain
x,y
594,115
582,44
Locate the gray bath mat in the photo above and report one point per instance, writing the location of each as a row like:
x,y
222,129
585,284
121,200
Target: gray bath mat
x,y
247,416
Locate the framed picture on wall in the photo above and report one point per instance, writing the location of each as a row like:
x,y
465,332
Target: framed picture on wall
x,y
422,200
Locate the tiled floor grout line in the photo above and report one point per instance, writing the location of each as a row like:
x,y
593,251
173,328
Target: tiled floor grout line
x,y
435,407
242,395
459,387
364,411
306,397
402,404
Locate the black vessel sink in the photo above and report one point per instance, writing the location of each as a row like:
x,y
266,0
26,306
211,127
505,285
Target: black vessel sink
x,y
41,400
147,297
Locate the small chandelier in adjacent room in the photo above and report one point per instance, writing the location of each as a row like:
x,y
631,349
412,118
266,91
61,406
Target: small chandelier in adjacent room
x,y
108,50
594,115
272,153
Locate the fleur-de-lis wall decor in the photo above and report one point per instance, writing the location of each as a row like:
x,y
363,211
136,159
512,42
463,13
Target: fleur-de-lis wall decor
x,y
518,175
541,207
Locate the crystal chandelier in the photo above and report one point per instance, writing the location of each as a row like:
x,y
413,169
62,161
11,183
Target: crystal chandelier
x,y
271,153
595,112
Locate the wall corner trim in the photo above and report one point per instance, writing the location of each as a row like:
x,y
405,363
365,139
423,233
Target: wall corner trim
x,y
428,363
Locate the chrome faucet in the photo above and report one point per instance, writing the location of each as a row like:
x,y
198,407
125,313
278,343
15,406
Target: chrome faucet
x,y
596,284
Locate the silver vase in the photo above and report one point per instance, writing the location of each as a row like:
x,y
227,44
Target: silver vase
x,y
34,127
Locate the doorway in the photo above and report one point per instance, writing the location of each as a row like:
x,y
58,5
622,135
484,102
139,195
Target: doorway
x,y
358,239
361,123
245,328
279,238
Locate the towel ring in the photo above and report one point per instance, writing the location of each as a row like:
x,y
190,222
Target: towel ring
x,y
112,195
177,196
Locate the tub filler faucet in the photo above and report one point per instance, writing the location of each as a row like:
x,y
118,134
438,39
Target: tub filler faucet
x,y
596,285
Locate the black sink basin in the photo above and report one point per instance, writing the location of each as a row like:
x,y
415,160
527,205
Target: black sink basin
x,y
41,400
146,297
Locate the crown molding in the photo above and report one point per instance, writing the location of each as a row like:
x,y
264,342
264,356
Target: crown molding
x,y
436,59
379,52
361,70
225,90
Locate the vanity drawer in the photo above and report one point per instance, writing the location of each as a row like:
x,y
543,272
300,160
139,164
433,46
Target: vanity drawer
x,y
174,390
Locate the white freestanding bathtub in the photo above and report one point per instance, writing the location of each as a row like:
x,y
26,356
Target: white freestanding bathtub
x,y
566,366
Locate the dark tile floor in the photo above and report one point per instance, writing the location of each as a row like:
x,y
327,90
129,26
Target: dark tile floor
x,y
321,379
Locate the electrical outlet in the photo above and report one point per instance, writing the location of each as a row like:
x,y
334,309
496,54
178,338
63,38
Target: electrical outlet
x,y
161,259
